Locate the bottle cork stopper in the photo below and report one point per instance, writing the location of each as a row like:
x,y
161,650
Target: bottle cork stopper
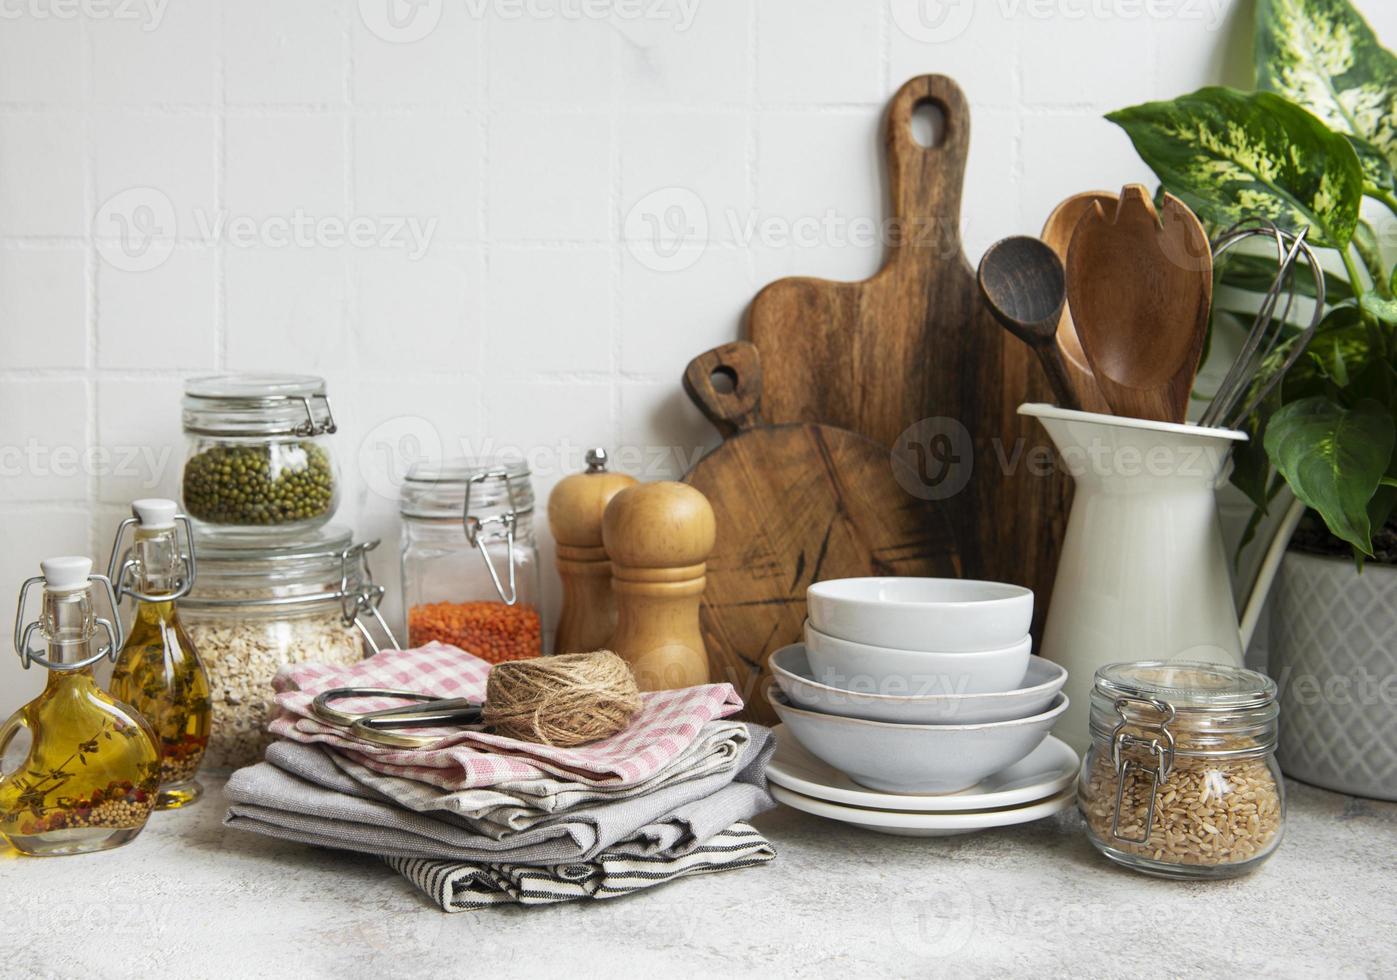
x,y
154,513
659,525
66,573
577,503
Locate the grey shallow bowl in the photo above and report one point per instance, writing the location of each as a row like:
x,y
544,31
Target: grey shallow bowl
x,y
914,758
793,674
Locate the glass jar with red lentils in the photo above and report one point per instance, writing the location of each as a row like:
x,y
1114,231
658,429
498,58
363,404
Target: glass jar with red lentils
x,y
469,558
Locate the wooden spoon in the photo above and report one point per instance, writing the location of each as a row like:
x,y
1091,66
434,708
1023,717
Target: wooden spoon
x,y
1140,284
1022,281
1057,234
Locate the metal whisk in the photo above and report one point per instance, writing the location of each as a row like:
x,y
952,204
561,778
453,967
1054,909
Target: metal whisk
x,y
1252,372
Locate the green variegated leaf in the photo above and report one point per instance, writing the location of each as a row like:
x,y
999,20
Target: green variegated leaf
x,y
1342,340
1377,171
1323,55
1233,155
1334,458
1381,308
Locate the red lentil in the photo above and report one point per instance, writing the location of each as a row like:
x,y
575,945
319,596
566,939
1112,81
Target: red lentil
x,y
492,631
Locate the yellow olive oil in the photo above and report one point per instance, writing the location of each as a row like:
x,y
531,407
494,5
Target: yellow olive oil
x,y
160,675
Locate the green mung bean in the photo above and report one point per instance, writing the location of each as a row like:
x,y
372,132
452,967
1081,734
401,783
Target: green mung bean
x,y
266,484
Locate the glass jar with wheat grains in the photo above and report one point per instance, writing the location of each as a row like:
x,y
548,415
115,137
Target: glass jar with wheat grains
x,y
1181,779
469,558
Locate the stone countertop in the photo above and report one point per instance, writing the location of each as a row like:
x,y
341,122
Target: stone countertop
x,y
192,898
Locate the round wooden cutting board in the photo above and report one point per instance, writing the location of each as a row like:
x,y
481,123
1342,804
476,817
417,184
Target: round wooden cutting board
x,y
795,504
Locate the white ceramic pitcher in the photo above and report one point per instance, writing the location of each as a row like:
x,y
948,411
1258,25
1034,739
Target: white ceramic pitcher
x,y
1143,573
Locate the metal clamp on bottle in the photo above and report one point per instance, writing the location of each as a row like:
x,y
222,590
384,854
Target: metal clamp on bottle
x,y
474,525
67,619
1159,747
124,568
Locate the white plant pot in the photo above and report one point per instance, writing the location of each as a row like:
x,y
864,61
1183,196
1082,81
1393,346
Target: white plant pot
x,y
1333,650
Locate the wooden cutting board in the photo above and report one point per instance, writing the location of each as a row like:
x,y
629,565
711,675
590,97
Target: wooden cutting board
x,y
795,504
913,360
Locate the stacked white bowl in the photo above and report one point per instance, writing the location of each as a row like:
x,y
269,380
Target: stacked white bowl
x,y
917,685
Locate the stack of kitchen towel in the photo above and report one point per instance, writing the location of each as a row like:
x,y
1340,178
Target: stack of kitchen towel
x,y
479,819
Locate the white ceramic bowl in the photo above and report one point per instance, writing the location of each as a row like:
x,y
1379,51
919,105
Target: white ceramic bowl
x,y
791,669
866,669
915,758
945,615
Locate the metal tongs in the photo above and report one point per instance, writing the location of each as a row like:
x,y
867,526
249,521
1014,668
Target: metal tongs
x,y
381,727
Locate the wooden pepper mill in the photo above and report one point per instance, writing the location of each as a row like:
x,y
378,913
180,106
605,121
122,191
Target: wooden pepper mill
x,y
659,536
575,509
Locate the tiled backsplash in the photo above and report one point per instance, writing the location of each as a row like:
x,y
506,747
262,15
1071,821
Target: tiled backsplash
x,y
450,209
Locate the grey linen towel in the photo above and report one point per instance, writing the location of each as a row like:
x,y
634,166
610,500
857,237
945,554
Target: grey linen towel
x,y
623,869
313,801
504,808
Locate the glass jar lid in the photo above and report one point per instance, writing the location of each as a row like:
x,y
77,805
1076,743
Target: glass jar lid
x,y
1187,685
325,564
1205,708
257,405
437,490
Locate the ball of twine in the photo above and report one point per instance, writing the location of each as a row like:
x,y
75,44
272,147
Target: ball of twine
x,y
563,701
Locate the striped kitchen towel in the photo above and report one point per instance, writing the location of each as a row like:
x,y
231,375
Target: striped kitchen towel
x,y
464,887
666,725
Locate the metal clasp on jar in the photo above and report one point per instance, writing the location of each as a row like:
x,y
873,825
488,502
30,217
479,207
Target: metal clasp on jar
x,y
312,427
355,602
1160,747
119,575
507,520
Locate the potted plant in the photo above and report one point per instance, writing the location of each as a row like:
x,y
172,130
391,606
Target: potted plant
x,y
1315,146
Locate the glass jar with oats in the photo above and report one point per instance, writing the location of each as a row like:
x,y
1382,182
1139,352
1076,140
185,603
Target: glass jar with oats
x,y
259,604
1181,779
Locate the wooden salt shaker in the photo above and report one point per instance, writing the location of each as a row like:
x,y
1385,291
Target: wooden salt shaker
x,y
659,536
575,509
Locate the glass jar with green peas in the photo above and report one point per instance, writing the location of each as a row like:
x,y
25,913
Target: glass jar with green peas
x,y
259,456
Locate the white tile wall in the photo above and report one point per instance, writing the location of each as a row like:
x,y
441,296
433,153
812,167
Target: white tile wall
x,y
597,190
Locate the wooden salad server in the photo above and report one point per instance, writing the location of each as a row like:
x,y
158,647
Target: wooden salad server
x,y
1140,285
1057,234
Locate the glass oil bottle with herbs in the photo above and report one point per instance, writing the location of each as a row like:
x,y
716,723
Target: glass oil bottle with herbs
x,y
158,671
78,769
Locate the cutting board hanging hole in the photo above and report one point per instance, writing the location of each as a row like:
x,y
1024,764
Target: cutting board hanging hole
x,y
928,124
724,380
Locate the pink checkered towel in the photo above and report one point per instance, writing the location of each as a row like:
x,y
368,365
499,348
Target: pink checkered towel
x,y
667,723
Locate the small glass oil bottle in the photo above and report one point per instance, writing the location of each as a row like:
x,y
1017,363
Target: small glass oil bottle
x,y
87,779
158,671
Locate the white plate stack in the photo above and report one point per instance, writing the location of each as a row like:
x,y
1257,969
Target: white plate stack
x,y
915,707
